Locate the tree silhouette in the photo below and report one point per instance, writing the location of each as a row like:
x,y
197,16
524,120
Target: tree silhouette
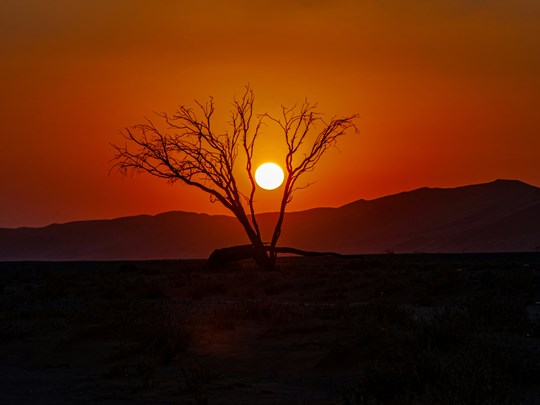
x,y
191,151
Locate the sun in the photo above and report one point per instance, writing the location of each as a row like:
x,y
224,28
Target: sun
x,y
269,176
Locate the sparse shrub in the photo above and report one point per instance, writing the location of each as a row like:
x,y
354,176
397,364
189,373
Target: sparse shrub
x,y
534,329
196,377
276,288
377,320
223,318
445,329
116,287
500,315
518,283
128,268
470,374
445,281
143,375
260,310
150,291
151,329
115,371
166,335
205,287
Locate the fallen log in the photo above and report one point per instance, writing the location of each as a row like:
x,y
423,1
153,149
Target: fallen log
x,y
223,256
294,251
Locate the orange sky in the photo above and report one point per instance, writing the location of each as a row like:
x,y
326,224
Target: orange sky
x,y
448,94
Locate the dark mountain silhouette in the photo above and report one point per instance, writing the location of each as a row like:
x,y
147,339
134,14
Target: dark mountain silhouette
x,y
501,216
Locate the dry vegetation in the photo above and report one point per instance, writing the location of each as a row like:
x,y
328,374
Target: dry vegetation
x,y
390,329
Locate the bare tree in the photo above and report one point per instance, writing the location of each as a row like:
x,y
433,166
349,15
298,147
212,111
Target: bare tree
x,y
190,150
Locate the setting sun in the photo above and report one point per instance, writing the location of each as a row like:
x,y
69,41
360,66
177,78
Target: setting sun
x,y
269,176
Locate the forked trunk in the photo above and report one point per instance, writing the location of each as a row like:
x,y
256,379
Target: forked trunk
x,y
263,258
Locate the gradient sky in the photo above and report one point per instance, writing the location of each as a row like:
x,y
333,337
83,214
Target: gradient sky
x,y
448,93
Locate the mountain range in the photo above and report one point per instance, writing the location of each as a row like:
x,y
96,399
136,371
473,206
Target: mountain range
x,y
500,216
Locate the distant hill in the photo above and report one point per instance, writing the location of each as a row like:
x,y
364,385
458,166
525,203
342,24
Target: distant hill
x,y
501,216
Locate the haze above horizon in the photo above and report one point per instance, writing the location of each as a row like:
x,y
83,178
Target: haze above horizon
x,y
447,94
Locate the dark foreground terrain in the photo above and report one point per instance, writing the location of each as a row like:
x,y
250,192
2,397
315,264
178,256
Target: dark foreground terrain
x,y
382,329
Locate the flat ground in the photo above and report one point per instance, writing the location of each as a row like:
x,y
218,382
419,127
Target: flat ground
x,y
378,329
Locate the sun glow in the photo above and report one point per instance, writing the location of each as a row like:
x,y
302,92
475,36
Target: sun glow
x,y
269,176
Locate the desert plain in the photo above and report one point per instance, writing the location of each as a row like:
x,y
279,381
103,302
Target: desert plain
x,y
372,329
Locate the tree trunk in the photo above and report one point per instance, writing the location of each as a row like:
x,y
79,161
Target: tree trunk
x,y
221,257
263,259
258,250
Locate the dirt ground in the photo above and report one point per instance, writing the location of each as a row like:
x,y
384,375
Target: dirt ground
x,y
378,329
